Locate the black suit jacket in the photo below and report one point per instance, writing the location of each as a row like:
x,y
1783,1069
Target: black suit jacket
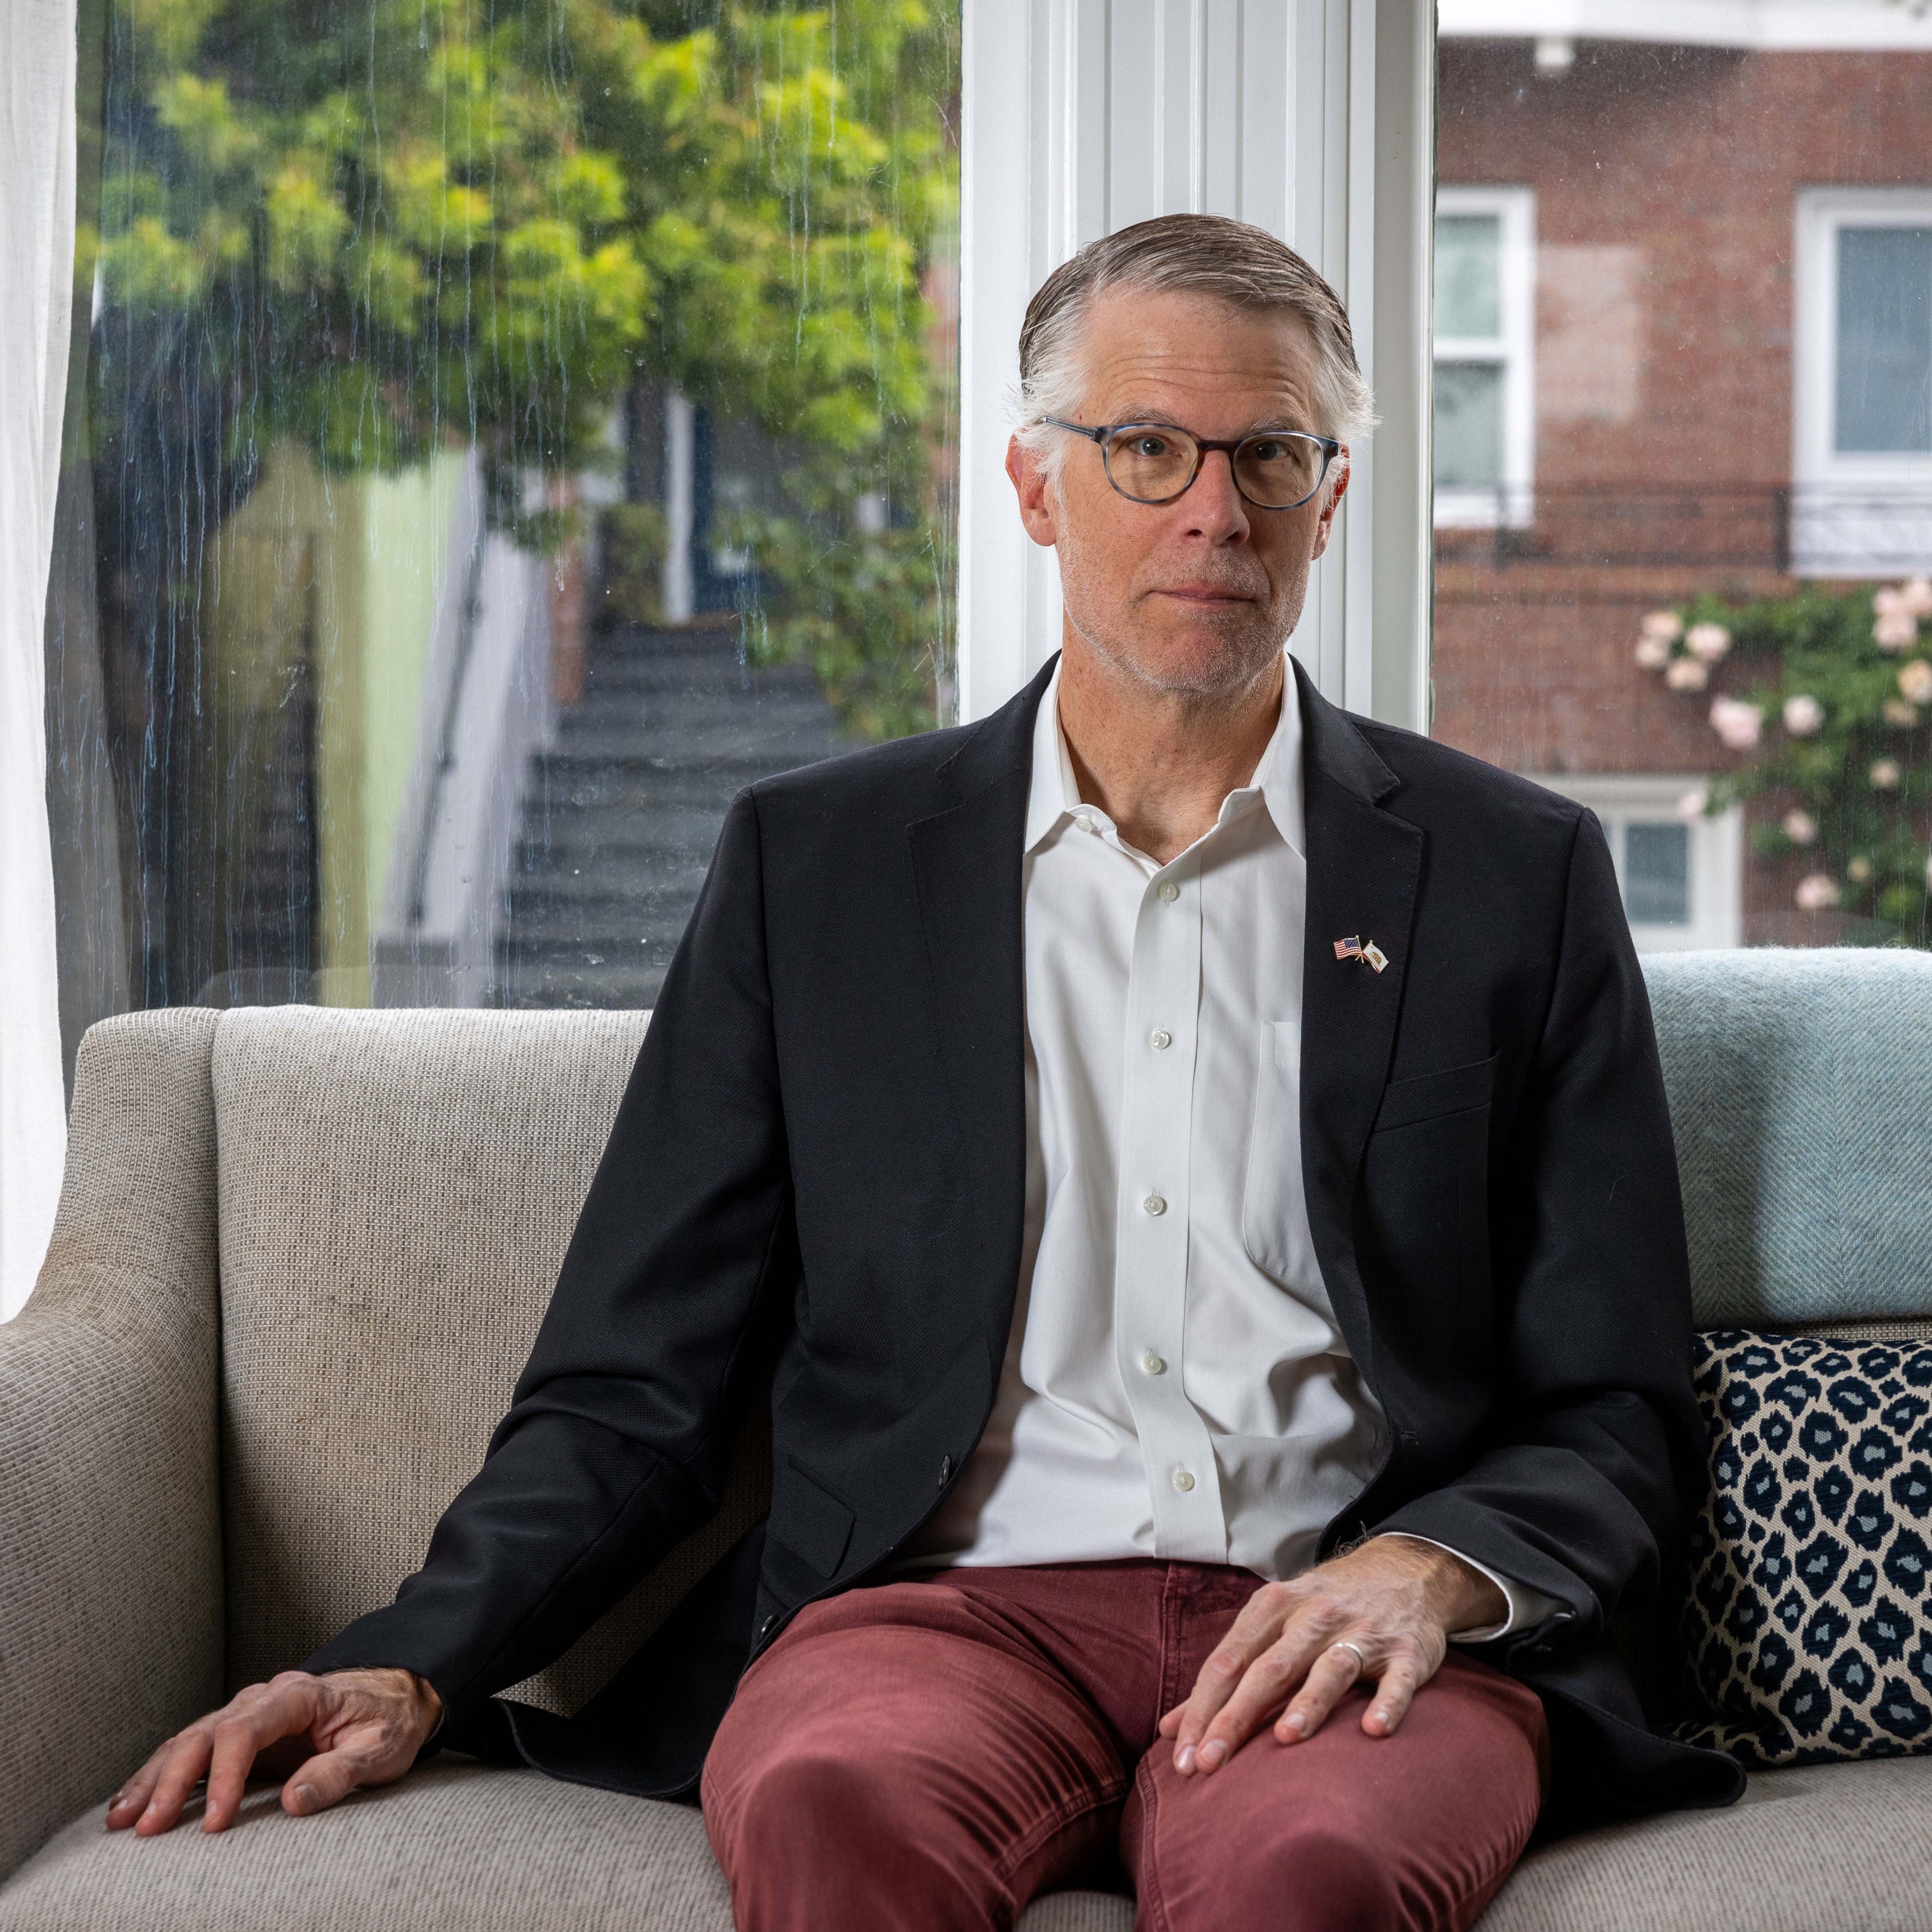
x,y
818,1171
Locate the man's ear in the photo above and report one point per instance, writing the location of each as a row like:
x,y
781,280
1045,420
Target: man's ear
x,y
1038,510
1337,488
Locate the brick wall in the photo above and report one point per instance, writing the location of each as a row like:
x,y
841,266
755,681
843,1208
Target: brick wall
x,y
1666,183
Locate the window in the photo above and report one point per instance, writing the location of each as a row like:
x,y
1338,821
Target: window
x,y
1725,567
1863,456
1484,347
506,432
1680,872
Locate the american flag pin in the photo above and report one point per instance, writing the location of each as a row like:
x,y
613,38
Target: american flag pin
x,y
1349,949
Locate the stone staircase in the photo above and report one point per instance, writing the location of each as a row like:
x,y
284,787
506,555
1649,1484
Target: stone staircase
x,y
619,817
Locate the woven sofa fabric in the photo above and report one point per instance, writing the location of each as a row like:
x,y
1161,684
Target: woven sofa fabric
x,y
1828,1848
1797,1083
454,1847
397,1191
110,1574
1806,1620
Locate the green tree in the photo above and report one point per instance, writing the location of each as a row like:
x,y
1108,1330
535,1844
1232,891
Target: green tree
x,y
382,224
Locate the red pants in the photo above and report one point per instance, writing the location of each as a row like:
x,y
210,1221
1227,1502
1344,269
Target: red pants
x,y
927,1755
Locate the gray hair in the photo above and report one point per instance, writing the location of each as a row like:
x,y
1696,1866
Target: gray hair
x,y
1208,255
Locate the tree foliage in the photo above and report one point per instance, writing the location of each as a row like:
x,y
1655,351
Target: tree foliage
x,y
382,224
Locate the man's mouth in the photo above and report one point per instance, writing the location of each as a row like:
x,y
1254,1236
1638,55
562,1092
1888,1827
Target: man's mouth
x,y
1205,594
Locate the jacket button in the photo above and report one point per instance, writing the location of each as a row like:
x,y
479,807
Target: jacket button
x,y
945,1471
770,1624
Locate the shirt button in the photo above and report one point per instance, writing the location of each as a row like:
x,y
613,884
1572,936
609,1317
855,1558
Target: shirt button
x,y
1153,1364
1160,1039
1168,890
1183,1480
1154,1204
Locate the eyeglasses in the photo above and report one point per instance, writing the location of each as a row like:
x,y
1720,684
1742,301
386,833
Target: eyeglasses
x,y
1155,463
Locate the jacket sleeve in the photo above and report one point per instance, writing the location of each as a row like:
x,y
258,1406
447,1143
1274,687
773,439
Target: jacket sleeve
x,y
1593,1456
620,1427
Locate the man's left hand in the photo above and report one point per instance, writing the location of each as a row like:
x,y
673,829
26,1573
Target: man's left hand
x,y
1384,1611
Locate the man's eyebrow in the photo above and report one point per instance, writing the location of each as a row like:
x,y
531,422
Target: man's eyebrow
x,y
1259,426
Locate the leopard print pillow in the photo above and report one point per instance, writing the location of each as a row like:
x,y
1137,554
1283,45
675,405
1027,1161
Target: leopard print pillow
x,y
1808,1622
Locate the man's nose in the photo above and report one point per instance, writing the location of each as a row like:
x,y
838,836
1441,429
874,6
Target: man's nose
x,y
1220,511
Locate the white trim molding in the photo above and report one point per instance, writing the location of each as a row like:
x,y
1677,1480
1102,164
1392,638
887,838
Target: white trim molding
x,y
1854,513
1312,119
1510,348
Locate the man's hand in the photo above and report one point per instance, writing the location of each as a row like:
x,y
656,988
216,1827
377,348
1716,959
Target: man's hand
x,y
1385,1611
351,1728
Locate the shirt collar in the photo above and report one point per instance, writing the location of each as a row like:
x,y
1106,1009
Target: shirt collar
x,y
1054,792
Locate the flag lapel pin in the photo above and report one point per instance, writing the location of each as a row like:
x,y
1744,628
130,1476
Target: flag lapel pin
x,y
1371,955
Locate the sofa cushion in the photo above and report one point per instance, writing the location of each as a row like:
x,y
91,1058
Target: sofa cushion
x,y
1828,1848
1806,1621
455,1847
459,1848
397,1189
1797,1082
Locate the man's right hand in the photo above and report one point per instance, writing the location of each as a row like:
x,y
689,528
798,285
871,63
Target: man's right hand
x,y
325,1736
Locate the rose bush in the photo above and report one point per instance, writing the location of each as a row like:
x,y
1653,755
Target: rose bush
x,y
1826,698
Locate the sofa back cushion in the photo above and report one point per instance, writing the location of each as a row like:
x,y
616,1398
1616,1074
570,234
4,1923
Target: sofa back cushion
x,y
396,1192
1801,1095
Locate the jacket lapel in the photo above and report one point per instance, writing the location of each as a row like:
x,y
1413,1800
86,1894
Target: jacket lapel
x,y
966,862
1364,865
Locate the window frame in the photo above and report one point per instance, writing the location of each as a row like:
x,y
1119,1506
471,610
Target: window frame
x,y
1512,349
1717,849
1820,472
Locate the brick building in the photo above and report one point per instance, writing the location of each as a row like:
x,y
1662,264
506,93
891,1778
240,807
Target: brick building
x,y
1684,327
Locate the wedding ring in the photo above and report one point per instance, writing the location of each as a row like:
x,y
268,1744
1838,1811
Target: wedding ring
x,y
1361,1662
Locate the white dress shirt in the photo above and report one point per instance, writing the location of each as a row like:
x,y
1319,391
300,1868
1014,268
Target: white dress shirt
x,y
1176,1384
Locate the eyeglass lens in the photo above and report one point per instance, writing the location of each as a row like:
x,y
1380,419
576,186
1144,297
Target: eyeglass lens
x,y
1153,464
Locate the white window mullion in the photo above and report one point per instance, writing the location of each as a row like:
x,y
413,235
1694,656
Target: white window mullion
x,y
1080,117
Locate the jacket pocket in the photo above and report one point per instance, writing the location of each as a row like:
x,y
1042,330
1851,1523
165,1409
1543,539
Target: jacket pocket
x,y
808,1520
1274,1214
1406,1103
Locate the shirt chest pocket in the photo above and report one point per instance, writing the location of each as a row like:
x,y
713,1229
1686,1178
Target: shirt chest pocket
x,y
1274,1211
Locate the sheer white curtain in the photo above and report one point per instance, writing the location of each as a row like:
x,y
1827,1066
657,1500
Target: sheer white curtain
x,y
37,191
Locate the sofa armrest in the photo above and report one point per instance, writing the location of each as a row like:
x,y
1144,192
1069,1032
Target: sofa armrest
x,y
110,1539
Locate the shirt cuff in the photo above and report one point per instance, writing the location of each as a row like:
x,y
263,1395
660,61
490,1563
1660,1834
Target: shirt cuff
x,y
1526,1607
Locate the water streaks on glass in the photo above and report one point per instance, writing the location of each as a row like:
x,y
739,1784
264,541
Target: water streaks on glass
x,y
500,431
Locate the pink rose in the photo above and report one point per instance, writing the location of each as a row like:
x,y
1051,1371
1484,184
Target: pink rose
x,y
1800,827
1804,716
1686,674
1737,723
1707,642
1818,892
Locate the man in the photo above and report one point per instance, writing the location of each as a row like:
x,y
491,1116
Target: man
x,y
1195,1166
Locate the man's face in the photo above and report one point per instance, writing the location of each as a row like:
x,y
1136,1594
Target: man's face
x,y
1195,597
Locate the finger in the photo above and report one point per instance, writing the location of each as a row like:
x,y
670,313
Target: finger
x,y
329,1777
127,1804
1330,1677
186,1764
1268,1680
1259,1626
260,1718
1401,1679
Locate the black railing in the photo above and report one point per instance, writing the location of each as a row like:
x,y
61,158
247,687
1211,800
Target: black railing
x,y
1814,531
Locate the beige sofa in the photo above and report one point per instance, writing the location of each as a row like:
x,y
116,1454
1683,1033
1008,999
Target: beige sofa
x,y
300,1256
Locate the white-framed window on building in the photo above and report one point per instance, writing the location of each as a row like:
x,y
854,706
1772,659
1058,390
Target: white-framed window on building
x,y
1485,324
1682,874
1862,468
